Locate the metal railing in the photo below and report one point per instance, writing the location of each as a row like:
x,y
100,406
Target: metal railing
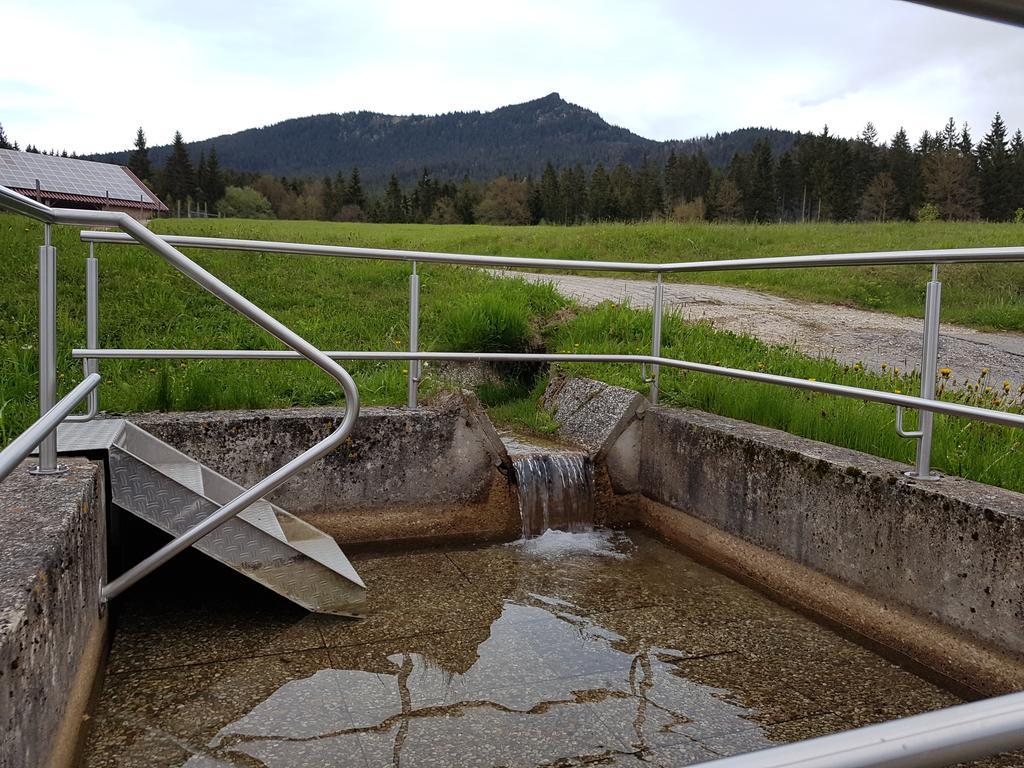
x,y
651,368
23,445
50,415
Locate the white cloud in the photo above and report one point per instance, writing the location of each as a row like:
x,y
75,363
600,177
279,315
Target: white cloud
x,y
84,76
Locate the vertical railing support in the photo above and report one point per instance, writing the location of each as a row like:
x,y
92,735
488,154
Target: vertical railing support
x,y
47,351
929,372
92,332
414,335
659,297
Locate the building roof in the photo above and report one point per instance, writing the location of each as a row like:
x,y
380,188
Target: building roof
x,y
72,180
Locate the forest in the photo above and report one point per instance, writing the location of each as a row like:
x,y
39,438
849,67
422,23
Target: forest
x,y
945,175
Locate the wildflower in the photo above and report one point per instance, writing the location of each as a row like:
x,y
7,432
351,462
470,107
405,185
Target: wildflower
x,y
944,372
152,370
1006,385
895,371
812,379
857,366
405,370
984,372
898,392
885,366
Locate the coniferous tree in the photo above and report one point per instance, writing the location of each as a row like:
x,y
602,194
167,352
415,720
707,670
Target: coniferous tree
x,y
599,198
201,178
138,163
997,195
394,204
1017,163
179,176
4,143
761,199
552,209
902,165
215,184
354,190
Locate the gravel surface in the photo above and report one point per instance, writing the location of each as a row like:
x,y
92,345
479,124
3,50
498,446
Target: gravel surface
x,y
844,334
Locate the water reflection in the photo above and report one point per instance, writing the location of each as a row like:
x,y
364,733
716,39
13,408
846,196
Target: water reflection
x,y
546,685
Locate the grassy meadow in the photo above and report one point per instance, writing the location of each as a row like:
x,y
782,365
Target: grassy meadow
x,y
362,304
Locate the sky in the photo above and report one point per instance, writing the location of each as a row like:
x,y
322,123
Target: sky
x,y
82,76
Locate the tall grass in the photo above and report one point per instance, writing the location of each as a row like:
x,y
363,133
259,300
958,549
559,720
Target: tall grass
x,y
983,452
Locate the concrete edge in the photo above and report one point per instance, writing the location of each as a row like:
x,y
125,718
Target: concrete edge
x,y
925,645
569,400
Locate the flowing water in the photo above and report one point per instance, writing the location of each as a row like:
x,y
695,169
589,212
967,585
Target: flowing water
x,y
555,487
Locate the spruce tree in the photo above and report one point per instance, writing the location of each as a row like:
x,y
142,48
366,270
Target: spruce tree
x,y
552,208
179,176
761,200
997,194
1017,163
4,143
394,202
139,161
215,184
599,197
354,190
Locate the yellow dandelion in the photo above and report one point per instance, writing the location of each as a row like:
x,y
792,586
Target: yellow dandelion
x,y
945,372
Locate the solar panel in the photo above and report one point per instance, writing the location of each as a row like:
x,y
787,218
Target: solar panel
x,y
63,174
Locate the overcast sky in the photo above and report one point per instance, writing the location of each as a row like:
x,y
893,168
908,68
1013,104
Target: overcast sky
x,y
84,75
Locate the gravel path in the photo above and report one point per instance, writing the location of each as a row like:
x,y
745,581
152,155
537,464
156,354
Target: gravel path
x,y
844,334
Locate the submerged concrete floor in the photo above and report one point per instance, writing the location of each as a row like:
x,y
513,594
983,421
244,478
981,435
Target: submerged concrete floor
x,y
483,657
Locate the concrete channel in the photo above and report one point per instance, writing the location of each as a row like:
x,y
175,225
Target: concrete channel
x,y
913,588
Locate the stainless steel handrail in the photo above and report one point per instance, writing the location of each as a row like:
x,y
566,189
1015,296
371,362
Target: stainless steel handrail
x,y
19,203
23,445
1004,418
941,738
936,256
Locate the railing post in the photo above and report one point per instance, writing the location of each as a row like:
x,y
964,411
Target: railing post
x,y
414,335
929,372
47,351
92,322
659,296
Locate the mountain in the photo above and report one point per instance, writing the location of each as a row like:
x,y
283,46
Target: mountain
x,y
517,139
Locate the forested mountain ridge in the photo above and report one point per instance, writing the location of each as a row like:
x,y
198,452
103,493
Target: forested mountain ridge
x,y
517,140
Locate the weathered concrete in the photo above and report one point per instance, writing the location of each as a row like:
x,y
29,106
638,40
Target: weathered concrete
x,y
590,413
951,550
429,474
51,630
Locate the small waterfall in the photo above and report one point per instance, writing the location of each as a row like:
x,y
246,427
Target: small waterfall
x,y
555,488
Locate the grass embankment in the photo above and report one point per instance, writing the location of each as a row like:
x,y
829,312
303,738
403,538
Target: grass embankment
x,y
348,304
984,296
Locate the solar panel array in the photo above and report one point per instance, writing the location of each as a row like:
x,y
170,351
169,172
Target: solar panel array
x,y
63,174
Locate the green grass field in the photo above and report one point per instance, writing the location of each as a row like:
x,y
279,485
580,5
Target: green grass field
x,y
358,304
988,296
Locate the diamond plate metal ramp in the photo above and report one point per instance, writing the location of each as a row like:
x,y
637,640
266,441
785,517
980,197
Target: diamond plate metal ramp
x,y
174,492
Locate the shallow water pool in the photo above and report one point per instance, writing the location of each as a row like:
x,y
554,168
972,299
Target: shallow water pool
x,y
618,652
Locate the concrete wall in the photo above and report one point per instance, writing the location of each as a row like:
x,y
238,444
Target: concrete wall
x,y
428,474
52,635
951,550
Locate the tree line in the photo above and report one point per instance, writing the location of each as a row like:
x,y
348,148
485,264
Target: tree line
x,y
944,175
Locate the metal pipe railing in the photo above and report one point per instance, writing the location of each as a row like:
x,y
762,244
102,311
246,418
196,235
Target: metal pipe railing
x,y
937,256
23,445
1004,418
929,362
92,331
936,739
19,203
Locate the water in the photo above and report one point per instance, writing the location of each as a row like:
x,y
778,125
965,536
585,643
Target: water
x,y
555,488
525,655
